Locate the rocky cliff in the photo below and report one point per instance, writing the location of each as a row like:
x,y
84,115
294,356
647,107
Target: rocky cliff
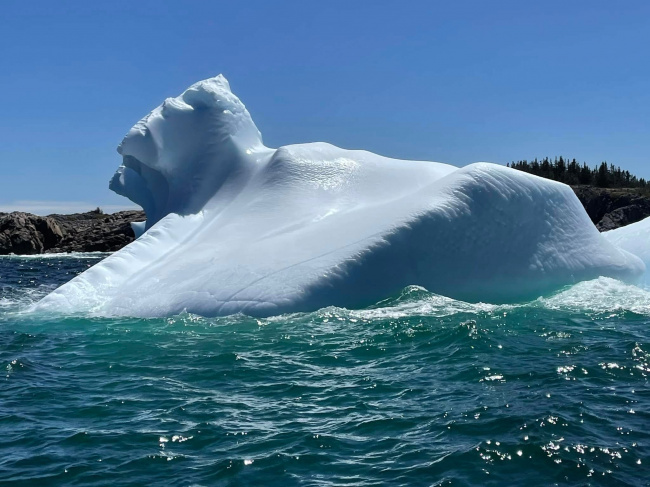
x,y
610,208
24,233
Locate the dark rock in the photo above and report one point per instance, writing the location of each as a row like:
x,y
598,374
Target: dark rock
x,y
96,232
621,217
611,208
24,233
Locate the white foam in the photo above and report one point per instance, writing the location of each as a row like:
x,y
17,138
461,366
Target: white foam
x,y
602,295
22,299
61,255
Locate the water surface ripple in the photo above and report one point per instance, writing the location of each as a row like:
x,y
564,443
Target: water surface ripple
x,y
417,390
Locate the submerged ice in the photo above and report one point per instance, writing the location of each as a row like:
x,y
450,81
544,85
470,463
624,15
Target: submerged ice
x,y
234,226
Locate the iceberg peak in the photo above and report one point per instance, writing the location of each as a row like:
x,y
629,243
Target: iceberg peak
x,y
178,156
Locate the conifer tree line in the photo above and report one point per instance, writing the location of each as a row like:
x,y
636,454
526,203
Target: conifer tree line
x,y
574,173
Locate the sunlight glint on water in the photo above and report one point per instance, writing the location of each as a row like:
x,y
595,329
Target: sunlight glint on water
x,y
417,390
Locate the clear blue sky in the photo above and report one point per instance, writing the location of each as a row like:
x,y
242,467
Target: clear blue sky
x,y
454,82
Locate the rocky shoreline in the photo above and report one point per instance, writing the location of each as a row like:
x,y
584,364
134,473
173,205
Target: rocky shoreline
x,y
27,234
611,208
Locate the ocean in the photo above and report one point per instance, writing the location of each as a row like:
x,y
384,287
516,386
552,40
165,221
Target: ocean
x,y
418,390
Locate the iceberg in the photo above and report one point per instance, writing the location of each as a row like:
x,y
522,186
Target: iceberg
x,y
635,239
236,227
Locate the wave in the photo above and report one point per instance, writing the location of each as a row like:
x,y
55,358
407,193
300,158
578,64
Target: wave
x,y
601,295
20,300
62,255
597,296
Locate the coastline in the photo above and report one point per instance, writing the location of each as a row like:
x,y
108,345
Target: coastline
x,y
27,234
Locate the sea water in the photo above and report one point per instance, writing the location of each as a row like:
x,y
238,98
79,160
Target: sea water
x,y
416,390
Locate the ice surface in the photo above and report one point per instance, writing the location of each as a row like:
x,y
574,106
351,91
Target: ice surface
x,y
634,238
233,226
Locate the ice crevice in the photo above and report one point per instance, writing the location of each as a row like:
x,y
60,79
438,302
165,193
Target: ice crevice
x,y
236,227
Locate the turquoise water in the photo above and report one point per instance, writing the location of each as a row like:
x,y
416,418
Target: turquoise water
x,y
417,390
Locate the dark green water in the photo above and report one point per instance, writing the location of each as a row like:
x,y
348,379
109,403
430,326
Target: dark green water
x,y
419,390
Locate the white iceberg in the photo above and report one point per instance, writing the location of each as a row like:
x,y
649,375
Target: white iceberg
x,y
635,239
234,226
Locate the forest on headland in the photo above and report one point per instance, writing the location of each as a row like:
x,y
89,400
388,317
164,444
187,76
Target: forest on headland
x,y
573,173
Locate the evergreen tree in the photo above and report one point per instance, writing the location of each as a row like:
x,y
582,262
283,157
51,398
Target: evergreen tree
x,y
560,169
602,178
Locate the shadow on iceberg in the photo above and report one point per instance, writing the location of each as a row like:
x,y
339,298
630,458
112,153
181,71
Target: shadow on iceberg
x,y
233,226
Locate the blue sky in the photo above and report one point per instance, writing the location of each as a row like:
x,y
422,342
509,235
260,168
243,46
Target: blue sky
x,y
455,82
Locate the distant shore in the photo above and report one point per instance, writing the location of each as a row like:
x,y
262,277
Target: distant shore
x,y
94,231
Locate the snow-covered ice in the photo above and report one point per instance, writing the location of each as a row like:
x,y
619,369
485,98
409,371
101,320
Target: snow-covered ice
x,y
234,226
634,238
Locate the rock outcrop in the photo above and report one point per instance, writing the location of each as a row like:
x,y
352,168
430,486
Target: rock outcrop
x,y
611,208
94,231
24,233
